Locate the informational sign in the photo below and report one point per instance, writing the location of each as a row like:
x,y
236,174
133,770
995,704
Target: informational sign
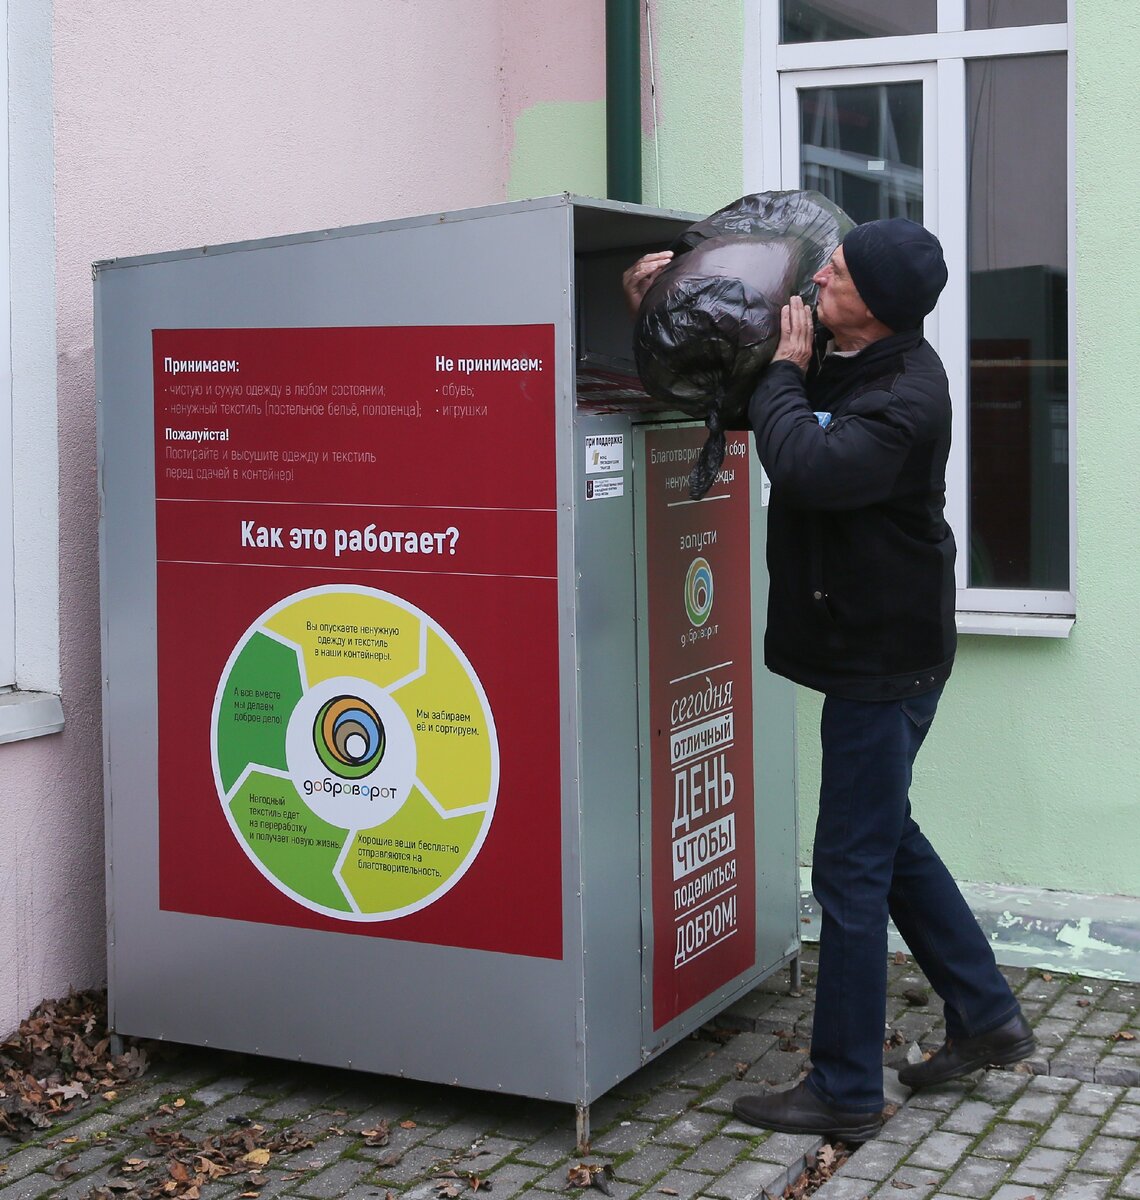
x,y
700,721
605,453
357,631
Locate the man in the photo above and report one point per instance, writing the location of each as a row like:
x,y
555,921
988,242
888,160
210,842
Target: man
x,y
854,432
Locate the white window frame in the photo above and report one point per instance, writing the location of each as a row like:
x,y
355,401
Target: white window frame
x,y
773,72
30,703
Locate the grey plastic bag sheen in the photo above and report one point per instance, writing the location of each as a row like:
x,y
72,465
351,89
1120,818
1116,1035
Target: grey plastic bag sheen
x,y
710,322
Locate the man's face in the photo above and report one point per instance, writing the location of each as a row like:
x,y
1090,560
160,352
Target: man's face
x,y
840,307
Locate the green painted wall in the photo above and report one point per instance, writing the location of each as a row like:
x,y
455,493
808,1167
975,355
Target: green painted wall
x,y
698,56
559,148
1030,774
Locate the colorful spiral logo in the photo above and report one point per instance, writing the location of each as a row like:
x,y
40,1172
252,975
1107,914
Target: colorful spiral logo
x,y
349,737
699,591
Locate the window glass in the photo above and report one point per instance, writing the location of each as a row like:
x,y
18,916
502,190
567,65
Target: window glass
x,y
1017,246
837,20
1004,14
862,147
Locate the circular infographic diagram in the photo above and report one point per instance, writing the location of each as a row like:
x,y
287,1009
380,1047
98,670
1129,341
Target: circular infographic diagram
x,y
354,753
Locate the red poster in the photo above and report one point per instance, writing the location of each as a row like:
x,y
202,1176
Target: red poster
x,y
700,714
357,631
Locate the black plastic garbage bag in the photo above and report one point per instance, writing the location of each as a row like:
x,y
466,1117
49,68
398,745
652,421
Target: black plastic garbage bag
x,y
710,322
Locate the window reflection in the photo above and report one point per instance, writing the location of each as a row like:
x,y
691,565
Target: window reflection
x,y
1005,14
1017,238
862,147
836,20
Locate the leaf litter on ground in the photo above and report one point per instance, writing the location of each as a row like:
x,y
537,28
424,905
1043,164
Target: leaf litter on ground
x,y
60,1058
828,1159
595,1175
184,1163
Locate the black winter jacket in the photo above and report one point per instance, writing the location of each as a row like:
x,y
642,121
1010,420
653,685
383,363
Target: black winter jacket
x,y
860,558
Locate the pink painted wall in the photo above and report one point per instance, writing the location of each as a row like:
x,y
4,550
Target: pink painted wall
x,y
552,53
181,125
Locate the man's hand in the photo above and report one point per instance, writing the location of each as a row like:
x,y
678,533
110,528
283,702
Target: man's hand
x,y
795,334
636,280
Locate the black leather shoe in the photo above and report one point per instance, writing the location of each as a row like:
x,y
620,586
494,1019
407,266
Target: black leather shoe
x,y
800,1110
1007,1043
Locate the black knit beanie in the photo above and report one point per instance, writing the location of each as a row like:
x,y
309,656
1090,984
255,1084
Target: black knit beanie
x,y
898,269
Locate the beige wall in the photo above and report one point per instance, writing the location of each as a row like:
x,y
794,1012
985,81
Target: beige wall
x,y
179,125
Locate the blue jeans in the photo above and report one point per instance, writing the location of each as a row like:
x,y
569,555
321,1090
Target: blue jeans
x,y
871,859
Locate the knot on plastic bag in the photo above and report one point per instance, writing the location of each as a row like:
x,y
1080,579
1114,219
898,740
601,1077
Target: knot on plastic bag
x,y
711,458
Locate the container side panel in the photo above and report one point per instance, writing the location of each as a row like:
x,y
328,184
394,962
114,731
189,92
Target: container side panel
x,y
607,684
777,845
331,621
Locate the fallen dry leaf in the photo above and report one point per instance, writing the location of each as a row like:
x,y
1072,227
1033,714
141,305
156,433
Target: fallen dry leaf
x,y
596,1175
1125,1035
826,1162
378,1135
210,1168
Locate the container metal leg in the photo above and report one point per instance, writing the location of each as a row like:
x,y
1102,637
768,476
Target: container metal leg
x,y
116,1045
583,1125
797,974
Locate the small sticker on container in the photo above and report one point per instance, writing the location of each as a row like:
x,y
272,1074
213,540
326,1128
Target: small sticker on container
x,y
605,489
605,453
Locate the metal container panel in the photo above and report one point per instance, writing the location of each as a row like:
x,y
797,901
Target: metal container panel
x,y
434,1012
565,1028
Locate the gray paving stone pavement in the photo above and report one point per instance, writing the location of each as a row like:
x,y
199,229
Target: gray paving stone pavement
x,y
1064,1126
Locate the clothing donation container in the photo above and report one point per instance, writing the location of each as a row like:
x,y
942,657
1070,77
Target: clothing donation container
x,y
438,742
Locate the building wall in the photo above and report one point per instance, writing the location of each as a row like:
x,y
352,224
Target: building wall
x,y
179,125
1027,777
